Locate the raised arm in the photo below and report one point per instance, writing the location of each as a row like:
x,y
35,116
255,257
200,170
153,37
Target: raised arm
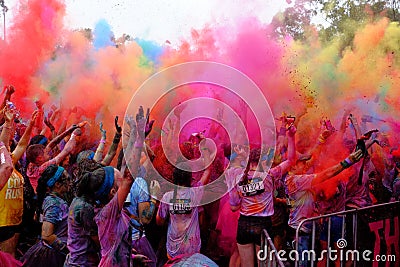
x,y
112,151
357,129
52,239
8,126
60,137
132,155
281,136
291,160
51,128
7,97
338,168
100,148
69,147
324,134
207,157
39,120
173,133
345,117
64,119
6,165
23,142
147,208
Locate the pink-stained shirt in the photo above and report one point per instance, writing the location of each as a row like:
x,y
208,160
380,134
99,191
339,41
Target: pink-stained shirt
x,y
357,196
301,196
260,204
34,171
113,228
183,228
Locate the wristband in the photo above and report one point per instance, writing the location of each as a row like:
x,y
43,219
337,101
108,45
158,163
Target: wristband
x,y
102,141
282,131
346,163
321,140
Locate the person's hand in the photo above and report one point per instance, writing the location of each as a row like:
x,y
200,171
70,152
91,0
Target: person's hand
x,y
179,109
208,151
82,124
352,158
77,132
154,188
48,123
39,105
117,127
356,156
10,89
9,114
149,124
282,118
103,132
141,124
352,119
139,260
292,130
326,131
73,110
131,123
368,134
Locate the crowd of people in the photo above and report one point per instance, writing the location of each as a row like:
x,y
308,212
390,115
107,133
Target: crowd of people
x,y
63,202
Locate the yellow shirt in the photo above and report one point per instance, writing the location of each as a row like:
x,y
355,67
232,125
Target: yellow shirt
x,y
12,200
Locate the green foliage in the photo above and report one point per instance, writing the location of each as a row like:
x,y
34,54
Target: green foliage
x,y
335,18
293,21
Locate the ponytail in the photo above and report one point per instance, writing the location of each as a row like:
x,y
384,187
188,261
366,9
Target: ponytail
x,y
42,186
83,183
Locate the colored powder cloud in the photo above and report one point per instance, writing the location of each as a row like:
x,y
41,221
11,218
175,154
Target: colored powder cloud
x,y
50,63
102,35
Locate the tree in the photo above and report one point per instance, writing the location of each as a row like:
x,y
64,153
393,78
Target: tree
x,y
340,13
337,16
293,21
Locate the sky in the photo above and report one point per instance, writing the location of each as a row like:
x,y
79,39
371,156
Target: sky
x,y
160,20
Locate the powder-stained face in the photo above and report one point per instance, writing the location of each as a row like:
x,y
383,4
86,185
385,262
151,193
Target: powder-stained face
x,y
40,159
118,178
300,167
65,181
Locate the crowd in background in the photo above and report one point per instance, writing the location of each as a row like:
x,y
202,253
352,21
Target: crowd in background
x,y
64,201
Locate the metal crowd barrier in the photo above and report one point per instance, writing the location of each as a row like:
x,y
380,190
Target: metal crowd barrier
x,y
393,207
269,255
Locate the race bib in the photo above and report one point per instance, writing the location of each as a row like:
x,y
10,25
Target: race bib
x,y
253,187
180,206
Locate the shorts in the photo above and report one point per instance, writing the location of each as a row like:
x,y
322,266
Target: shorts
x,y
336,229
278,230
250,229
6,232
